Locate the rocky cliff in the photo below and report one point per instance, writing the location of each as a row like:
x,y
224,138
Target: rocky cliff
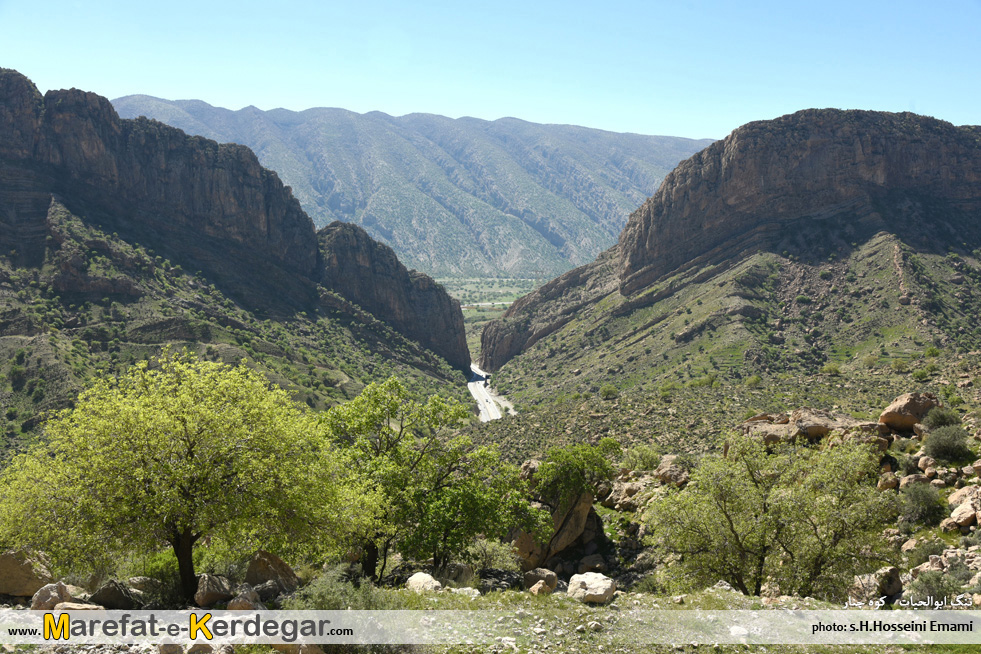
x,y
357,266
210,207
810,166
812,185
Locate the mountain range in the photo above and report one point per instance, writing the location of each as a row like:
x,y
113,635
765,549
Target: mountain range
x,y
452,197
799,256
121,237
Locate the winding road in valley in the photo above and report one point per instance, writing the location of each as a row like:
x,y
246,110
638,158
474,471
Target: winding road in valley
x,y
489,403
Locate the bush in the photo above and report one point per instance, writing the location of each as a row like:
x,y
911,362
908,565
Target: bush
x,y
920,505
920,375
831,369
900,366
336,590
645,456
931,584
754,381
947,444
924,551
609,392
940,416
486,553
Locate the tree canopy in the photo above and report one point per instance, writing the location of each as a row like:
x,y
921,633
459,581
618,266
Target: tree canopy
x,y
436,490
803,517
175,451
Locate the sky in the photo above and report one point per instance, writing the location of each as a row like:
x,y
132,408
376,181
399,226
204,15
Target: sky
x,y
693,68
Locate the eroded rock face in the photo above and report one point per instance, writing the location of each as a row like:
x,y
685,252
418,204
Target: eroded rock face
x,y
907,410
208,206
22,573
814,164
369,274
767,184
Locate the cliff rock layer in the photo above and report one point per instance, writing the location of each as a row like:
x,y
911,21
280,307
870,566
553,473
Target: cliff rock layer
x,y
781,185
357,266
808,166
208,206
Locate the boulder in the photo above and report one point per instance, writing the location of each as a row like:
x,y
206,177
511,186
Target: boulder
x,y
540,588
965,514
78,606
670,474
567,526
22,573
49,596
907,410
965,494
116,596
591,587
926,462
421,582
532,577
211,590
909,480
265,567
623,495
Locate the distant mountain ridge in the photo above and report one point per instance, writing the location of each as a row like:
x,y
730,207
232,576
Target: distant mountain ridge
x,y
450,196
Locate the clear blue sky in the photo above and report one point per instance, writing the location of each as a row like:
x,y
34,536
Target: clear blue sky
x,y
696,68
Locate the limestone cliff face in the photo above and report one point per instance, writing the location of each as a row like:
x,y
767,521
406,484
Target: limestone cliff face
x,y
209,206
174,183
810,165
368,273
858,171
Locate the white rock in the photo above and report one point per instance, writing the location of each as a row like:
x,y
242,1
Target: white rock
x,y
591,587
421,582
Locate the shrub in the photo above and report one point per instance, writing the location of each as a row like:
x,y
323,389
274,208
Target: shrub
x,y
645,456
920,505
941,417
486,553
947,443
336,590
931,352
900,366
931,584
920,375
831,369
609,392
754,381
924,551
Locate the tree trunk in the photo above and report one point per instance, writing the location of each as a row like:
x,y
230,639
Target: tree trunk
x,y
369,559
183,544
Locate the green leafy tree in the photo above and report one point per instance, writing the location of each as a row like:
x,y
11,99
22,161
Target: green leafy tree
x,y
570,471
436,490
807,518
175,453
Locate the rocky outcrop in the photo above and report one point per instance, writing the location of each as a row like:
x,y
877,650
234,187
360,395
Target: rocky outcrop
x,y
369,274
22,573
908,410
813,165
206,206
779,185
151,173
546,310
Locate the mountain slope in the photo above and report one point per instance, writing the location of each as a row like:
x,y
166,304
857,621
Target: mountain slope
x,y
102,222
452,197
821,243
